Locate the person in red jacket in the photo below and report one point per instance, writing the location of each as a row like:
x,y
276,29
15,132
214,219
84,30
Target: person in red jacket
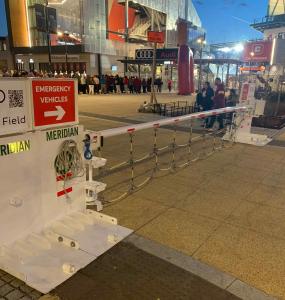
x,y
219,101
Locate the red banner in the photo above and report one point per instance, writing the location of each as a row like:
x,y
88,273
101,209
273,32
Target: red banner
x,y
259,51
155,37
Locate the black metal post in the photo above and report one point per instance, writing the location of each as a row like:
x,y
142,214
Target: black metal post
x,y
200,68
126,33
48,36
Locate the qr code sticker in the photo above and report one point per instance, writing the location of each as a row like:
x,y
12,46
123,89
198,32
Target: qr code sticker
x,y
16,98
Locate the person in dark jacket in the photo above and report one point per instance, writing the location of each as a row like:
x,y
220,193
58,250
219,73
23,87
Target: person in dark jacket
x,y
144,85
219,101
207,95
199,100
232,98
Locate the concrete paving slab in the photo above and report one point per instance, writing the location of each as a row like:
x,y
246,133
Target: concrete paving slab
x,y
98,124
78,287
180,230
252,257
218,205
225,183
134,212
165,195
261,218
246,174
275,180
269,195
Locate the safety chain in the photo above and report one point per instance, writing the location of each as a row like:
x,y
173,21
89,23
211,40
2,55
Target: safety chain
x,y
131,162
155,149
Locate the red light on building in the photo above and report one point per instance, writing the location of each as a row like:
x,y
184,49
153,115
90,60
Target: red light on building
x,y
253,69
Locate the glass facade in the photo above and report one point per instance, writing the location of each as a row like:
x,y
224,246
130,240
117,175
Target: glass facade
x,y
88,23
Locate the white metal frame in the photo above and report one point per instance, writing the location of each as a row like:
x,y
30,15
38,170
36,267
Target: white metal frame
x,y
95,136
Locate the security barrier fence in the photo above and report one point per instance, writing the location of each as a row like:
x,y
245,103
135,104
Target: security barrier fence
x,y
154,149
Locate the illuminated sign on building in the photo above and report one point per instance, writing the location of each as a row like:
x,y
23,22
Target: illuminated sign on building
x,y
259,51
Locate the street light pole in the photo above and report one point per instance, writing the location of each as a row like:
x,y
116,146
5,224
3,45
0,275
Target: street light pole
x,y
200,69
48,35
250,62
153,96
66,35
126,35
201,42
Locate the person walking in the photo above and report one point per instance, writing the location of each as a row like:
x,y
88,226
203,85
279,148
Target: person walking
x,y
90,84
126,84
131,85
218,102
117,84
121,82
103,84
144,85
148,84
159,85
169,85
96,84
137,85
83,83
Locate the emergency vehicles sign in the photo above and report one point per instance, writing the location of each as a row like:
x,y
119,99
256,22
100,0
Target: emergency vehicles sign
x,y
14,107
54,103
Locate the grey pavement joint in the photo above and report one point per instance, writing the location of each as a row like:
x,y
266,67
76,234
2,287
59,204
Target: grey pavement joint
x,y
243,291
5,289
212,275
15,295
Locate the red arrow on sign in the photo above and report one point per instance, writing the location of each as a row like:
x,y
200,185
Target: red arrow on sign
x,y
58,113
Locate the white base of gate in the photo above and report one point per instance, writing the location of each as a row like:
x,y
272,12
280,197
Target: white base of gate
x,y
45,260
249,138
253,139
243,133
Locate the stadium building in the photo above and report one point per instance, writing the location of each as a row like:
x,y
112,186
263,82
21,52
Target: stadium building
x,y
93,35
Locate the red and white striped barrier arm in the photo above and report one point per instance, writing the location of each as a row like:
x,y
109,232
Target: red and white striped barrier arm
x,y
167,121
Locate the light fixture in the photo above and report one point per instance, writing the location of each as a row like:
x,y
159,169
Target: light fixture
x,y
273,51
251,54
57,3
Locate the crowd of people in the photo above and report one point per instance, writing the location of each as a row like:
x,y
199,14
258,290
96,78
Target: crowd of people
x,y
104,84
214,98
108,84
206,99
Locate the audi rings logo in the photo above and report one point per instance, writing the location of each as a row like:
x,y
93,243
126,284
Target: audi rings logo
x,y
2,96
144,53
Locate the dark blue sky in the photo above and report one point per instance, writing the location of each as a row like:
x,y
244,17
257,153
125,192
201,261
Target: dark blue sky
x,y
224,20
228,20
